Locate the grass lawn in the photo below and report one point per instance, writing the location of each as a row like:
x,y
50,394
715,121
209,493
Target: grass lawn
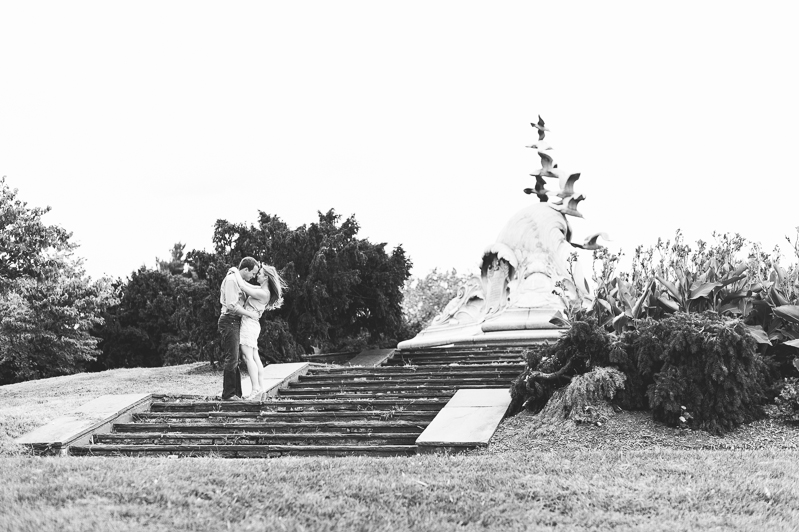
x,y
630,474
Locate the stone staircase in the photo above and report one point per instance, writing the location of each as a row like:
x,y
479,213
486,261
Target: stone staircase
x,y
331,410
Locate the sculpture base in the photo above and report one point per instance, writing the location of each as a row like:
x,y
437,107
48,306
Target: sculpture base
x,y
516,337
512,326
516,319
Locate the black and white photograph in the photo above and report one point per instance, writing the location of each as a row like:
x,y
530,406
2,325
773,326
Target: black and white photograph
x,y
421,266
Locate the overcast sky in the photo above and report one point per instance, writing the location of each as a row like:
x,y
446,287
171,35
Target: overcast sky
x,y
141,123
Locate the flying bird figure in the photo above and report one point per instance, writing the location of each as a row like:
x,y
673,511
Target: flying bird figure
x,y
547,166
539,190
571,207
591,242
540,146
540,127
566,181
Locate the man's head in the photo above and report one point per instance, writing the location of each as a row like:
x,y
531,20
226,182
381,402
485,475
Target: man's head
x,y
247,267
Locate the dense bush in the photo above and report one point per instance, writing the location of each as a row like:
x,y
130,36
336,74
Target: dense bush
x,y
587,397
584,346
788,401
703,364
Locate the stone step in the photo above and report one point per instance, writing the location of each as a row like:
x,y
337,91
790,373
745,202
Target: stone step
x,y
462,354
462,350
333,411
303,438
369,402
430,378
432,384
297,416
443,361
424,364
373,394
430,369
273,427
355,387
242,451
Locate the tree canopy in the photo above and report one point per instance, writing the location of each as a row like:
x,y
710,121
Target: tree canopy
x,y
424,298
341,287
344,292
47,303
27,245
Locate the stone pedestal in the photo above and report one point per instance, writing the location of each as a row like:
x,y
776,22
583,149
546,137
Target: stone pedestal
x,y
529,278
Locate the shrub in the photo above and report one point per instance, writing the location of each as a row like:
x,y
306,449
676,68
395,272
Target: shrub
x,y
584,346
703,363
788,401
587,397
692,370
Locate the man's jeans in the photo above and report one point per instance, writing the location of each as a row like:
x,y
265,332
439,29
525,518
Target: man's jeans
x,y
229,327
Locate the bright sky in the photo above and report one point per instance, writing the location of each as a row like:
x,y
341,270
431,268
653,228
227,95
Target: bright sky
x,y
141,123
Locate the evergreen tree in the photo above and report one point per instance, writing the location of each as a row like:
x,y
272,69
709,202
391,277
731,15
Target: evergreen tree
x,y
342,289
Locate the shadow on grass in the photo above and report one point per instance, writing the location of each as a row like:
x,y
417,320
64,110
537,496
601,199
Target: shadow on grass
x,y
205,369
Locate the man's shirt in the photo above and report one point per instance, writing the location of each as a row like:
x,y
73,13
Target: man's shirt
x,y
230,295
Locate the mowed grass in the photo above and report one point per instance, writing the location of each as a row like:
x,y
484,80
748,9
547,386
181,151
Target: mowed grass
x,y
588,490
518,485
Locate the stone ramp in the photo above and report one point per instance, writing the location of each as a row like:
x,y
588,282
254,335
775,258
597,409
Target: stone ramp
x,y
467,421
78,427
372,357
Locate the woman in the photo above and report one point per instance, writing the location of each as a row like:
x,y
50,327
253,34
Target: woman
x,y
267,295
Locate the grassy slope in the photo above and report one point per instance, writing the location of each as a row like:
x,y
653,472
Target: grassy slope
x,y
27,405
623,475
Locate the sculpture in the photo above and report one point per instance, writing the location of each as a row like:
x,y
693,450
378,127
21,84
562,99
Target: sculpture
x,y
465,308
530,277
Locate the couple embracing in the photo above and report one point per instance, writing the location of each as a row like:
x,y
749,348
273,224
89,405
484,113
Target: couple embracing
x,y
242,306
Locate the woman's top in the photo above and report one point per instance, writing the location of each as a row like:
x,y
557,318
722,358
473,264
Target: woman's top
x,y
254,304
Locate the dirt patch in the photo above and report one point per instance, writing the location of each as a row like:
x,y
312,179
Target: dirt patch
x,y
626,431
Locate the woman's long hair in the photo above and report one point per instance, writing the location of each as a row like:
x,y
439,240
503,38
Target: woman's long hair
x,y
276,287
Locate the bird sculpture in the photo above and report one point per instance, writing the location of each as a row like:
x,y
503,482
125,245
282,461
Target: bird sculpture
x,y
570,206
566,181
540,146
540,127
539,190
591,242
547,166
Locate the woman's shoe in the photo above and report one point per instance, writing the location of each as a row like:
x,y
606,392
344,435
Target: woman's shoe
x,y
254,395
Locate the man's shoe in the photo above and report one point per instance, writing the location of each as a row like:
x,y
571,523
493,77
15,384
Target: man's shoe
x,y
232,398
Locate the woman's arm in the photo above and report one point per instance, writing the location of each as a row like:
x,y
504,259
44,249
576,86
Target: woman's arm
x,y
252,291
255,291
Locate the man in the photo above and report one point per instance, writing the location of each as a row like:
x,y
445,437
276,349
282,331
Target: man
x,y
232,299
